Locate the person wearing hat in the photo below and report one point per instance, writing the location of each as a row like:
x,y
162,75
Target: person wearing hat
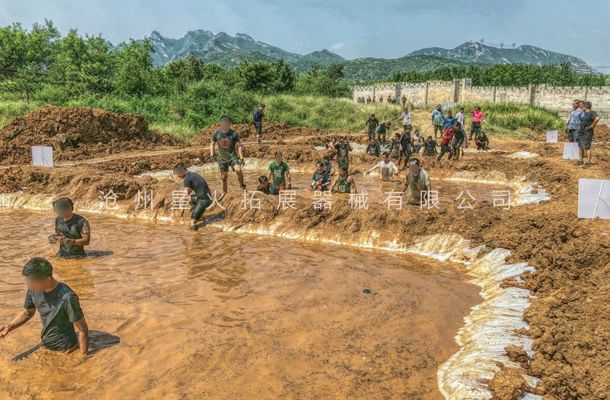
x,y
63,322
72,231
320,179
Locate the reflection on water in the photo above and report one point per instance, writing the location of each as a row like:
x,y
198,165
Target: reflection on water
x,y
233,316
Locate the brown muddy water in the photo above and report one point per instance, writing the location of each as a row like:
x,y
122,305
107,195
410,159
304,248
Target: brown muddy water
x,y
214,315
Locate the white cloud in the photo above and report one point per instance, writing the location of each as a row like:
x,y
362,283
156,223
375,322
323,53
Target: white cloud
x,y
338,46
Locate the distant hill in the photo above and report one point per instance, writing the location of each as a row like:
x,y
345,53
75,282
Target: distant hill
x,y
230,51
475,52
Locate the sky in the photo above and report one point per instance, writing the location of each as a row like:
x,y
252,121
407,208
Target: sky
x,y
351,28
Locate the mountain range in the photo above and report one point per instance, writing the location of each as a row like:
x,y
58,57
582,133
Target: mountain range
x,y
230,51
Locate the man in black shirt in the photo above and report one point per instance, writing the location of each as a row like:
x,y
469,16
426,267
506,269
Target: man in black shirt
x,y
198,188
227,150
257,118
585,137
72,231
58,306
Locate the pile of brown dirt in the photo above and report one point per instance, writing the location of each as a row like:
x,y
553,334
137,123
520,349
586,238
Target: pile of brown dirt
x,y
602,133
76,133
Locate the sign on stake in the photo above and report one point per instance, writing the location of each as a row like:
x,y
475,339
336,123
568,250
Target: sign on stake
x,y
571,151
42,156
593,198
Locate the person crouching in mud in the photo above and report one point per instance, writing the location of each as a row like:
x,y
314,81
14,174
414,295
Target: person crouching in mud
x,y
266,187
72,231
58,306
230,153
320,179
198,188
418,181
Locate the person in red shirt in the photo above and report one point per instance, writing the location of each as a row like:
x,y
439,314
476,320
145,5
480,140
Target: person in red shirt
x,y
446,143
475,126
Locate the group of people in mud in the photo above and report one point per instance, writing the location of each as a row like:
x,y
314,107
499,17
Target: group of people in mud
x,y
403,145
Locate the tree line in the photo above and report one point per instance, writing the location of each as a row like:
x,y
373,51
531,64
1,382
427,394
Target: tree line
x,y
506,75
39,62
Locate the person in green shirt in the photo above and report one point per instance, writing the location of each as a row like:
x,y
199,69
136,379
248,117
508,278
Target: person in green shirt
x,y
279,173
344,183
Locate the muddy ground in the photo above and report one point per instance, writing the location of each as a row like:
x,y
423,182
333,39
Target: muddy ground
x,y
570,311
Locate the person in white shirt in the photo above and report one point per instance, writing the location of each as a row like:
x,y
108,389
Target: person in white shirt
x,y
406,117
387,168
460,116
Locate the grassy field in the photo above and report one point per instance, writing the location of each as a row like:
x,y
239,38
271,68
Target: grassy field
x,y
318,112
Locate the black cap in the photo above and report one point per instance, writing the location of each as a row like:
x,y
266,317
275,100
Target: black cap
x,y
37,268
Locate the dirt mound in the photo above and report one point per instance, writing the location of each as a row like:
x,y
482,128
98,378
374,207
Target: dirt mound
x,y
76,133
271,131
602,133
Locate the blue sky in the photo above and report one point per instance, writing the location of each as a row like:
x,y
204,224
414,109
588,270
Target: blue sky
x,y
352,28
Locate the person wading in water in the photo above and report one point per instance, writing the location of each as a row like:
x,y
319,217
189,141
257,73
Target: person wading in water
x,y
72,231
344,183
58,306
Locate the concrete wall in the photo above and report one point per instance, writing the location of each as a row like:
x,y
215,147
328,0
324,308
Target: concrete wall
x,y
429,94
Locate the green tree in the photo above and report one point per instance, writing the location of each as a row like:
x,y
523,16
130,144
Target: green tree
x,y
134,74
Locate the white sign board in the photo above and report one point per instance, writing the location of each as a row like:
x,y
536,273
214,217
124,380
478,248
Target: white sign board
x,y
42,156
447,106
552,136
593,198
571,151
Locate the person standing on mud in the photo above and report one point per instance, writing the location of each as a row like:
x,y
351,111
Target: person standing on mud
x,y
585,137
343,183
477,119
574,121
405,145
406,118
257,117
371,125
382,131
438,120
230,153
446,143
58,306
459,140
72,231
198,189
418,181
343,148
279,173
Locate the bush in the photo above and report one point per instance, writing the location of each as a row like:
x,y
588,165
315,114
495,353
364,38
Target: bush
x,y
207,101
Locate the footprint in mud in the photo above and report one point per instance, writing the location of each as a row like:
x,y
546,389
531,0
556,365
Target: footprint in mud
x,y
98,341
